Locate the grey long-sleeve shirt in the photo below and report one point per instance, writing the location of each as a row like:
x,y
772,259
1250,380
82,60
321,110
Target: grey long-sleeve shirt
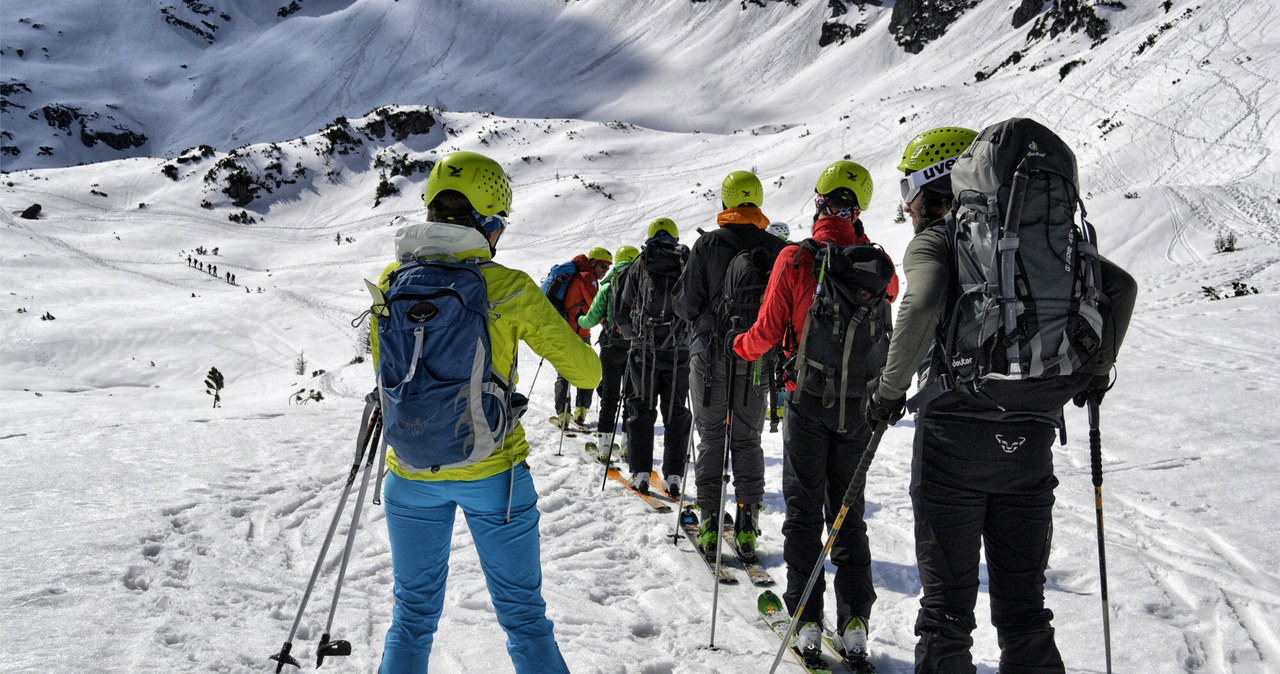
x,y
927,269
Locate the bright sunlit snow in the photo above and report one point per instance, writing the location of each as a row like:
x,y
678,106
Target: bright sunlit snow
x,y
145,530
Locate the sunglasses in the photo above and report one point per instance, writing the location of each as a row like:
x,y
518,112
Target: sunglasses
x,y
912,184
491,223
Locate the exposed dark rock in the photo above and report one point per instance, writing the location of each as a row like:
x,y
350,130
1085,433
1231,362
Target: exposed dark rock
x,y
32,212
915,23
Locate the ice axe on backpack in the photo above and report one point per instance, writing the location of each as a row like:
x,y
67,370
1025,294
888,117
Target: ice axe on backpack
x,y
366,443
850,496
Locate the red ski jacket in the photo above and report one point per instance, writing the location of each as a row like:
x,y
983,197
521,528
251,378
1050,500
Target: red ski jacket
x,y
789,294
579,295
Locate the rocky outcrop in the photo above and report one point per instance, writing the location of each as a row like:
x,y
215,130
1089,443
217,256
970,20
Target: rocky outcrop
x,y
916,23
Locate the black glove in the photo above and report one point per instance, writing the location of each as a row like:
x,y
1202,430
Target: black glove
x,y
877,410
1098,387
731,338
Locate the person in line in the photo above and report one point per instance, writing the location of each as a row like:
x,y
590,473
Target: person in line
x,y
583,284
613,346
714,369
659,366
468,198
820,458
968,493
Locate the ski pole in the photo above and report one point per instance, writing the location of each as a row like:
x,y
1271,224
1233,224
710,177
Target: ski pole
x,y
850,496
622,400
724,485
337,647
688,456
372,417
535,376
1095,458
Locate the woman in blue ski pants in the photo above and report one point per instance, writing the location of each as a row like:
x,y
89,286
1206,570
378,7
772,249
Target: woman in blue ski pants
x,y
420,518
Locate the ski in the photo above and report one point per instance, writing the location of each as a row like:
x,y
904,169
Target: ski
x,y
775,616
689,525
567,432
756,573
654,501
597,454
857,664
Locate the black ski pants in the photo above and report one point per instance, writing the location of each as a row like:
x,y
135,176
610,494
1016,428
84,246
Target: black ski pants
x,y
658,376
613,364
818,463
981,485
709,389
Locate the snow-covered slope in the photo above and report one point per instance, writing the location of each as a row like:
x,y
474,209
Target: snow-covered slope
x,y
146,530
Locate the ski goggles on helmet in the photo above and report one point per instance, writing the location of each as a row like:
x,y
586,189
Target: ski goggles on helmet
x,y
912,184
835,204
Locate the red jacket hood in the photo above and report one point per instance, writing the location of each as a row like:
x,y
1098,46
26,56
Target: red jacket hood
x,y
837,230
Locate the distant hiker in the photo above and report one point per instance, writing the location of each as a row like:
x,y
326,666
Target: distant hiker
x,y
233,279
228,277
836,336
468,198
571,287
613,346
188,260
982,472
659,367
702,300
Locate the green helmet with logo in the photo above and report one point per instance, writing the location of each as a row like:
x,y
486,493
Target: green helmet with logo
x,y
663,225
847,175
934,145
599,254
625,254
480,179
742,188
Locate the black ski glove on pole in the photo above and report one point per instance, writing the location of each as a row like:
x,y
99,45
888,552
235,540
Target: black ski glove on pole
x,y
877,410
1098,387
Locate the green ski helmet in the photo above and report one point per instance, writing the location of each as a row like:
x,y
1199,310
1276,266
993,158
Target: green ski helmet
x,y
663,225
847,175
625,254
934,145
480,179
742,188
599,254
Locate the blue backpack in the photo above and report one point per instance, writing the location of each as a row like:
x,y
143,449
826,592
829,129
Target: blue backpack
x,y
443,406
557,282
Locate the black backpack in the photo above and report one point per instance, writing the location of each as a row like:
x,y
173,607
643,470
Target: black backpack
x,y
1025,327
652,280
845,341
745,280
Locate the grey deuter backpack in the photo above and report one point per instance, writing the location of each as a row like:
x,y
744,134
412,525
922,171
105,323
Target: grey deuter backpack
x,y
1024,329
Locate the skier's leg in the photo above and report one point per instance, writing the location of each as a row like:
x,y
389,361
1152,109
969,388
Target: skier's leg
x,y
510,556
948,529
804,488
1018,536
707,386
419,527
748,425
851,553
